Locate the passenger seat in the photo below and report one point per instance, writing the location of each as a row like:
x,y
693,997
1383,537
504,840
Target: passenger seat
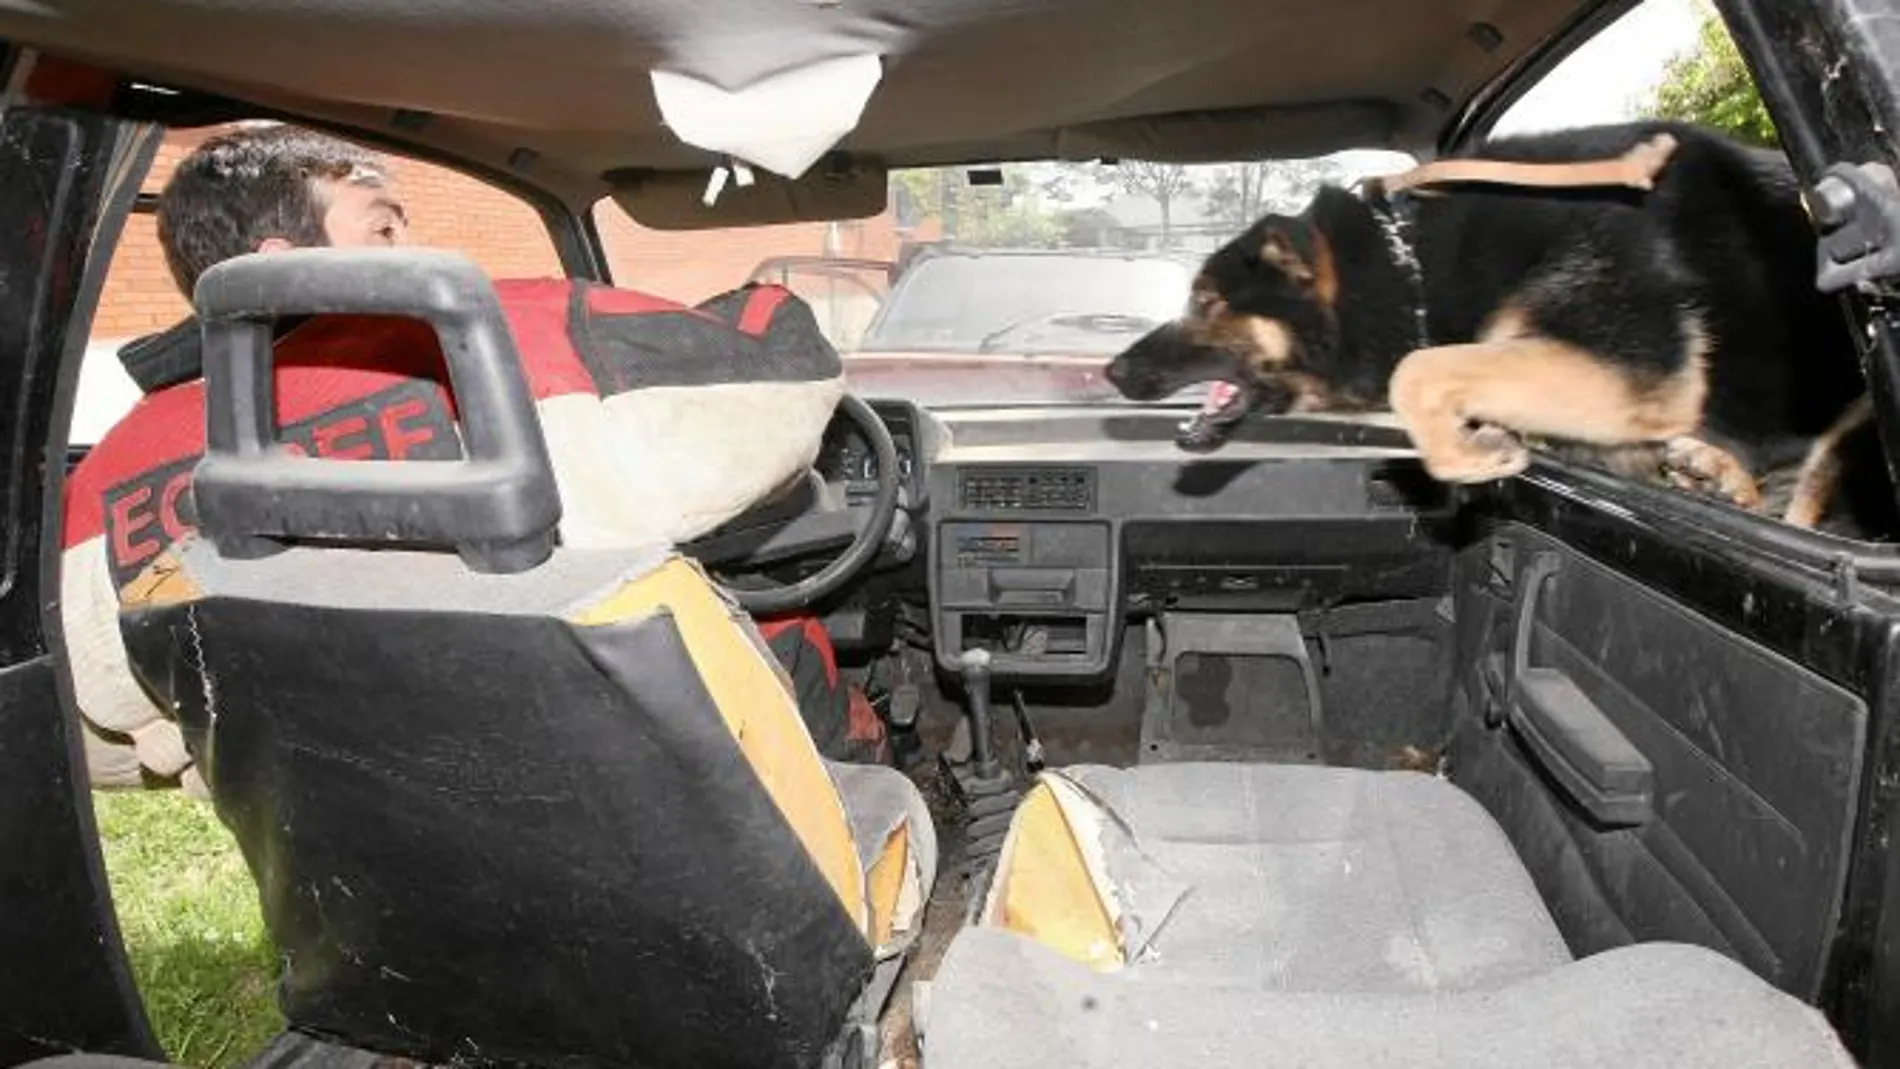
x,y
1228,914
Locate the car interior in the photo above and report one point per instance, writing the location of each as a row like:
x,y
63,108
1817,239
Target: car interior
x,y
1286,755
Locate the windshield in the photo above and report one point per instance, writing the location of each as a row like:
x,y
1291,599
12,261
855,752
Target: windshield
x,y
1014,301
1008,284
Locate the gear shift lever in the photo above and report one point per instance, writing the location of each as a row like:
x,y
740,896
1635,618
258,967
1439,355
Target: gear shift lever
x,y
974,666
989,792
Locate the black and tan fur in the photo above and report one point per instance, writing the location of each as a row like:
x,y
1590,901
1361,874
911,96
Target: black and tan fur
x,y
1675,331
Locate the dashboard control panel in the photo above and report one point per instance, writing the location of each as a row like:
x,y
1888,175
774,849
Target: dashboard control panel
x,y
1035,595
1021,489
845,457
1049,527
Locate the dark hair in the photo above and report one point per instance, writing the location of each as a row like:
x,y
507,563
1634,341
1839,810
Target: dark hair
x,y
242,188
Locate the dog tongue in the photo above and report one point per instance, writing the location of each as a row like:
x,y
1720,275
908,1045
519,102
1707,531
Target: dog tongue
x,y
1219,396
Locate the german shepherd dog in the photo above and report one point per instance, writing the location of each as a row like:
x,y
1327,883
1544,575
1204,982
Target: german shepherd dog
x,y
1674,331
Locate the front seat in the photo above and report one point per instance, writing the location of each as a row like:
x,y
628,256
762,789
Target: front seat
x,y
505,800
1232,914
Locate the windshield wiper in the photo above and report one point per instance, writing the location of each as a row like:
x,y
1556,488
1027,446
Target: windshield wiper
x,y
1089,322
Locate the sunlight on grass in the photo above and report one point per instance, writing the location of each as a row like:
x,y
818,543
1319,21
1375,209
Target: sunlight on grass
x,y
190,918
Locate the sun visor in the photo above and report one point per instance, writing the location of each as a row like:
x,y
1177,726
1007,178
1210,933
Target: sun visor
x,y
783,123
842,187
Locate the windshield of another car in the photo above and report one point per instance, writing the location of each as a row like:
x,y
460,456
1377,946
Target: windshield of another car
x,y
1022,301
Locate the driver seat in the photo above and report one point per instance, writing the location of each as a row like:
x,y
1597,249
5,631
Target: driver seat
x,y
505,800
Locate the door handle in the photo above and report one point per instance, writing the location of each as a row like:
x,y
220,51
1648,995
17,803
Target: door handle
x,y
1565,732
1494,674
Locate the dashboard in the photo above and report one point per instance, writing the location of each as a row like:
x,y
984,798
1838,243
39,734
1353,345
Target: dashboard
x,y
1046,529
845,457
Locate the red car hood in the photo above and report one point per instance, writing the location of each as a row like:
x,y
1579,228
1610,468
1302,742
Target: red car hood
x,y
974,379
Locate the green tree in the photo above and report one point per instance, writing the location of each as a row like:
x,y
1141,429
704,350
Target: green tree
x,y
1711,85
1088,228
1012,213
1240,193
1167,184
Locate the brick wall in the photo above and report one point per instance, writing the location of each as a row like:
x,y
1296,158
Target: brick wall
x,y
139,295
501,233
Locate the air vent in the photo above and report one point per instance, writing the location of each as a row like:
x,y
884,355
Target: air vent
x,y
1027,490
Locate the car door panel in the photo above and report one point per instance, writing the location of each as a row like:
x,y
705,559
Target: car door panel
x,y
1754,761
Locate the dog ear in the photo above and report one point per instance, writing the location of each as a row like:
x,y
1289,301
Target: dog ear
x,y
1278,250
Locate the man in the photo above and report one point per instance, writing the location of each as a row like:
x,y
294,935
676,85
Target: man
x,y
259,189
266,190
256,189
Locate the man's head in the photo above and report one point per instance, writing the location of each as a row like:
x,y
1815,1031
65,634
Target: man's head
x,y
272,188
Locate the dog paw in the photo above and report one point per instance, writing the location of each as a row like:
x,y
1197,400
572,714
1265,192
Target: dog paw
x,y
1696,466
1480,453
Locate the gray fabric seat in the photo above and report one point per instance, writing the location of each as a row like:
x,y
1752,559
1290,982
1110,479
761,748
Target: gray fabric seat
x,y
1002,1002
1336,917
1321,879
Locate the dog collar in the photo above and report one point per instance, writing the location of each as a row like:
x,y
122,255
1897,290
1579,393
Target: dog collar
x,y
1397,216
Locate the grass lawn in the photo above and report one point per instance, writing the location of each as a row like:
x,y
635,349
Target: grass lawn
x,y
190,919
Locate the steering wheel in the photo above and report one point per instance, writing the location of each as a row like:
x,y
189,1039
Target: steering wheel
x,y
800,524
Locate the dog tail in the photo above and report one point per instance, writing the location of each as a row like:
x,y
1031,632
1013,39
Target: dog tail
x,y
1820,474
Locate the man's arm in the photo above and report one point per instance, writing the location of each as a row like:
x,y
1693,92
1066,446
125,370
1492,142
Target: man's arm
x,y
129,741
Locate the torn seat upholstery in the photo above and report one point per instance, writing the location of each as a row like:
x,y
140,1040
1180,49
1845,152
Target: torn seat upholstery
x,y
568,817
1230,914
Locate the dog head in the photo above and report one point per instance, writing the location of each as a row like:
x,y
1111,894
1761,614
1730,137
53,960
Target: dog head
x,y
1260,320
